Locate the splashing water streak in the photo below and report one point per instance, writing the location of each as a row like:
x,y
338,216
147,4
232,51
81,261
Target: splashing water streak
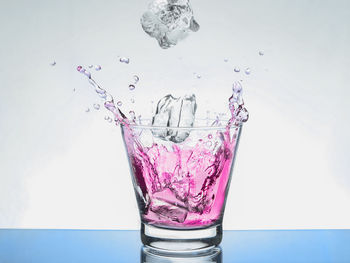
x,y
108,99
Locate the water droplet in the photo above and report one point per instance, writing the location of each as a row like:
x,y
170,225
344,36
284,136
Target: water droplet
x,y
198,76
210,136
261,53
91,66
131,87
124,60
79,68
109,119
53,63
247,71
87,73
98,67
209,143
136,78
96,106
119,103
132,100
87,110
236,69
225,59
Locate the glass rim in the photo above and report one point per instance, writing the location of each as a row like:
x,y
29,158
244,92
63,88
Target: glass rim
x,y
199,127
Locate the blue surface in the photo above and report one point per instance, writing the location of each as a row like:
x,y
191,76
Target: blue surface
x,y
125,246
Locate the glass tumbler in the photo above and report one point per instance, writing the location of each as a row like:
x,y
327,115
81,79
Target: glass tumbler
x,y
181,178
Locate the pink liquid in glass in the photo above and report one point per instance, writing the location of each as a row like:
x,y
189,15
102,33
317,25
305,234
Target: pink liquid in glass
x,y
182,185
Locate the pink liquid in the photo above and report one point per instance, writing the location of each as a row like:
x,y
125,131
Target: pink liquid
x,y
181,186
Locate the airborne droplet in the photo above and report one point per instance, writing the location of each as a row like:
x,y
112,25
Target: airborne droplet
x,y
124,60
119,103
247,71
131,87
136,79
96,106
236,69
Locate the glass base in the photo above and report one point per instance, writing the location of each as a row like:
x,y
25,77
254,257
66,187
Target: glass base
x,y
181,240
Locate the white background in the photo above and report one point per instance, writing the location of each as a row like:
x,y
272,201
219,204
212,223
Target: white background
x,y
63,168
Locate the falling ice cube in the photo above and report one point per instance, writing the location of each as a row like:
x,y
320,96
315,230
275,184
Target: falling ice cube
x,y
169,21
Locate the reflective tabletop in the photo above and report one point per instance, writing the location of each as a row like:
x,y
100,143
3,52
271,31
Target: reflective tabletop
x,y
24,245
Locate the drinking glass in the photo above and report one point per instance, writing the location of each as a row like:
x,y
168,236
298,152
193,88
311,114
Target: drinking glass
x,y
181,178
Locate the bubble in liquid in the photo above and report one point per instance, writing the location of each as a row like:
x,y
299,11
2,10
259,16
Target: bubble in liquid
x,y
79,68
131,87
124,60
53,63
236,69
98,67
247,71
119,103
261,53
96,106
136,79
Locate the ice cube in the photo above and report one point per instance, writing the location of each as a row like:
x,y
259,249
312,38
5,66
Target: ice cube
x,y
168,211
169,21
174,112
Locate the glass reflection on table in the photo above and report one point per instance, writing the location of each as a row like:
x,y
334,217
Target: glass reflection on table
x,y
148,255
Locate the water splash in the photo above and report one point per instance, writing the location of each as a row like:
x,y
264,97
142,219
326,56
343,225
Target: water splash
x,y
119,116
239,113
